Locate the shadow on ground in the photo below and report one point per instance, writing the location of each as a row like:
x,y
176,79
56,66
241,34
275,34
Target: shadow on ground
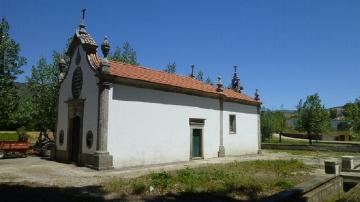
x,y
17,193
20,193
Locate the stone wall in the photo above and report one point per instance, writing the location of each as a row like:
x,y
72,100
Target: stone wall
x,y
341,147
319,188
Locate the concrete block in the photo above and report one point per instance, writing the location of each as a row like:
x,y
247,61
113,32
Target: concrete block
x,y
347,162
332,168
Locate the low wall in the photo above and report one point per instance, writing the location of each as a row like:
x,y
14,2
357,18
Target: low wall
x,y
348,147
323,137
320,188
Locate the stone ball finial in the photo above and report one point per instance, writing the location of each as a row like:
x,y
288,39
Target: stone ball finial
x,y
105,47
62,65
220,86
257,95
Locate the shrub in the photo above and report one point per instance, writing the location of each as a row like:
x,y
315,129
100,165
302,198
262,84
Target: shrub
x,y
138,187
21,132
161,180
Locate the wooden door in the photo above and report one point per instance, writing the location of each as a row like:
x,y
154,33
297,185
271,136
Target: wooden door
x,y
196,143
75,139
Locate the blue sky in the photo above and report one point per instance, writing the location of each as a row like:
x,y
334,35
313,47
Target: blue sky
x,y
286,49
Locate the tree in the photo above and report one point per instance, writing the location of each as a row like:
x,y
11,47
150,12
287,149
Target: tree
x,y
200,75
272,122
352,115
333,113
312,117
126,55
10,63
208,80
171,68
43,85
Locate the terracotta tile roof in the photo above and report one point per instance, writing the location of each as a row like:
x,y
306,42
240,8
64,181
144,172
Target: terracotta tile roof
x,y
160,77
86,38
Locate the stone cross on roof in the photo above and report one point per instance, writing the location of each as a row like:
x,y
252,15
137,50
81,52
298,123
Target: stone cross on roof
x,y
82,23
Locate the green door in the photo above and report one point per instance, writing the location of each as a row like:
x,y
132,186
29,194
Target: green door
x,y
196,142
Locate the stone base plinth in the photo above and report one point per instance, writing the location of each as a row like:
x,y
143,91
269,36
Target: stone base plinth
x,y
221,152
62,156
102,161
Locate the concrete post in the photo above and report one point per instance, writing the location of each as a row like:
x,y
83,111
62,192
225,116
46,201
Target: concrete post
x,y
331,168
221,152
347,162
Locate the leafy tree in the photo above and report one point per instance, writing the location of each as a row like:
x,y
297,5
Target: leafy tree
x,y
171,68
352,115
343,126
10,63
333,113
208,80
126,54
272,122
200,75
43,86
312,117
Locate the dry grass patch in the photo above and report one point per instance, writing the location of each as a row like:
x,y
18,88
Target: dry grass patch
x,y
240,180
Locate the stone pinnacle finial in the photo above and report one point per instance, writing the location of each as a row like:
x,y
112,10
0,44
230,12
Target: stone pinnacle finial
x,y
82,22
257,95
105,47
192,71
220,86
235,82
61,65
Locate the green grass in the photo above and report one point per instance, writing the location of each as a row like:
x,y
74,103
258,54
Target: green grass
x,y
9,136
315,153
245,180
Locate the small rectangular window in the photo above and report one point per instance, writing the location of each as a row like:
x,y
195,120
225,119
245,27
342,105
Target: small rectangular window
x,y
232,121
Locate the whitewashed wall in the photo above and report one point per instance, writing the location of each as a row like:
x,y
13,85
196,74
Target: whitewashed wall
x,y
89,92
245,140
150,126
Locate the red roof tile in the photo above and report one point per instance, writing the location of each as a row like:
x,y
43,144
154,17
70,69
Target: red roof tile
x,y
160,77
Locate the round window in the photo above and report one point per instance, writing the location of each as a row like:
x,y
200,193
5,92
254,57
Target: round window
x,y
77,81
89,139
61,137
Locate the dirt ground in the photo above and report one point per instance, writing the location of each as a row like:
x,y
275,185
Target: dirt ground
x,y
36,170
26,178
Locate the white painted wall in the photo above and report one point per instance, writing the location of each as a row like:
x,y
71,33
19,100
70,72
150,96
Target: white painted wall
x,y
151,127
89,92
245,140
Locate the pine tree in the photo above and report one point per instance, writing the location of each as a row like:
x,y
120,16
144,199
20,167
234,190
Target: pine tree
x,y
200,75
10,63
208,80
171,68
126,54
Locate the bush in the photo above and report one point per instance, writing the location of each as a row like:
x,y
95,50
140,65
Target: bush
x,y
138,187
21,132
161,180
